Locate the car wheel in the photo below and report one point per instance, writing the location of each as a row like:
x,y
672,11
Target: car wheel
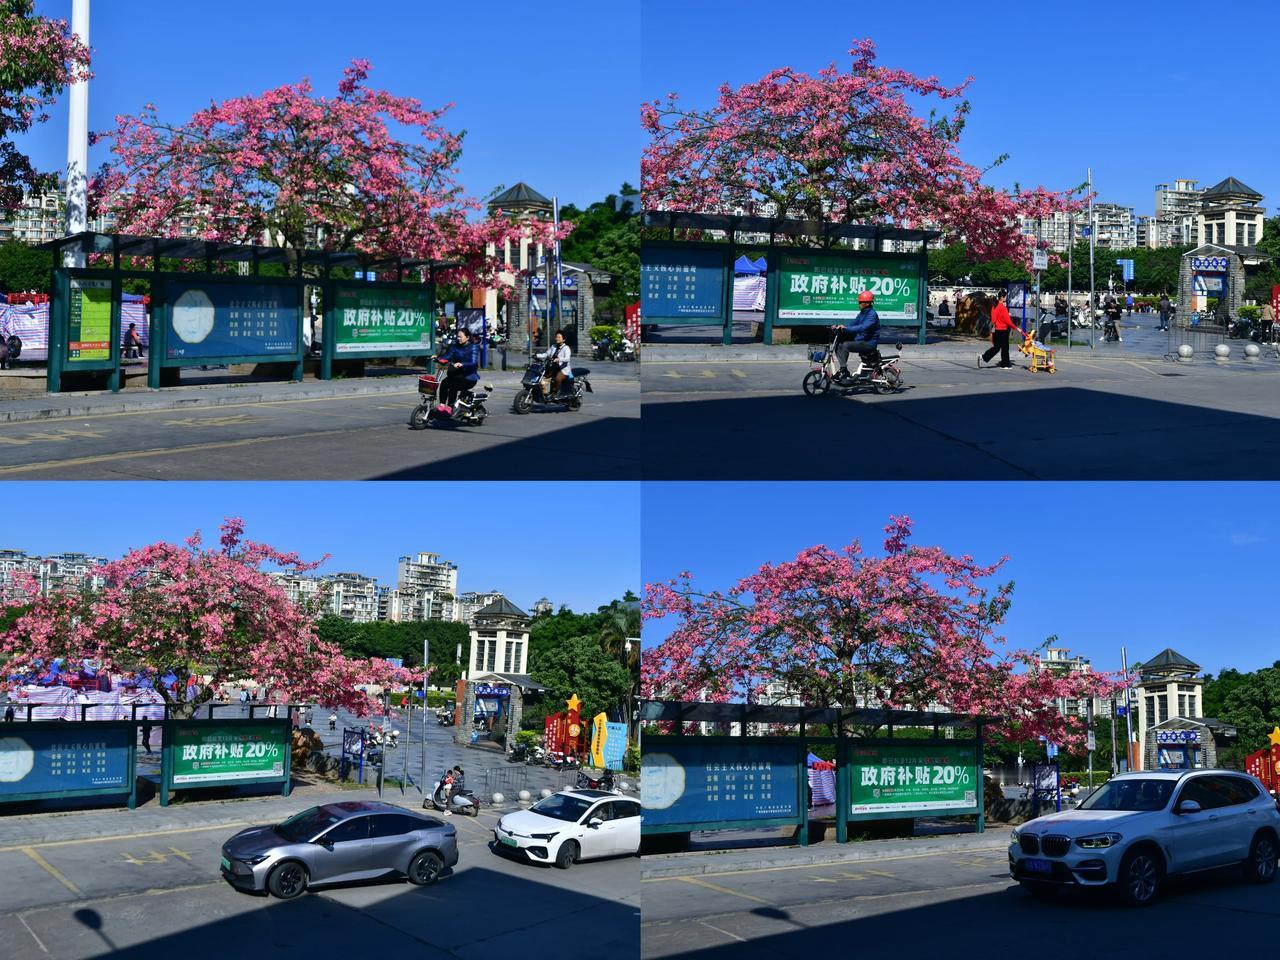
x,y
425,868
1261,865
567,855
287,880
1141,876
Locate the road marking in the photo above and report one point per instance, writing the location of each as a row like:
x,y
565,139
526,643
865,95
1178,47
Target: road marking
x,y
812,866
698,881
23,921
672,374
52,436
234,419
732,936
162,451
708,374
882,873
738,373
51,869
124,836
180,853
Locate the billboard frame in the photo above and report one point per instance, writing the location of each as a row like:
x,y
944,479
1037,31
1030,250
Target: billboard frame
x,y
725,317
166,785
329,344
61,726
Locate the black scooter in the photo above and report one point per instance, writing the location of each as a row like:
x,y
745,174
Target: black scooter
x,y
537,388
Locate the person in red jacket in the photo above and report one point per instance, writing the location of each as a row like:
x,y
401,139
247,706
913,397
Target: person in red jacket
x,y
1001,324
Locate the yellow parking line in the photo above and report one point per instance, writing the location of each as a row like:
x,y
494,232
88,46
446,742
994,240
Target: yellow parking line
x,y
51,869
161,452
819,866
122,836
698,881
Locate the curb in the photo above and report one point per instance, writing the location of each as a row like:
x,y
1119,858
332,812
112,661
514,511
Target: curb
x,y
701,864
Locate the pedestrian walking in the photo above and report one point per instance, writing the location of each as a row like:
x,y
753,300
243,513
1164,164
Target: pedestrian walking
x,y
244,701
146,734
8,713
1164,312
333,721
1001,324
1128,303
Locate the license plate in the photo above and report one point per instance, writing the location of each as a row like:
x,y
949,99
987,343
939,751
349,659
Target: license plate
x,y
226,864
1036,865
508,841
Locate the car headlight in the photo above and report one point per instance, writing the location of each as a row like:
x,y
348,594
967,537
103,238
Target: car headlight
x,y
253,861
547,837
1098,841
1013,837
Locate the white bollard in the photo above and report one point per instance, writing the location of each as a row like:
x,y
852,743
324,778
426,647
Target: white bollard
x,y
497,799
1184,353
545,792
1251,351
623,786
1221,353
525,796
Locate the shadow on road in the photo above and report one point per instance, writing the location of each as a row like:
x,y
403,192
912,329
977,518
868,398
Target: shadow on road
x,y
1056,433
597,449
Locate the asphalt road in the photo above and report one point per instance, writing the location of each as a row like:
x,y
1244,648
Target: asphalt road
x,y
355,438
940,905
1117,412
160,894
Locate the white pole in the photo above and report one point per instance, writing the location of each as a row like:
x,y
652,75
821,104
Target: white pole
x,y
559,276
1128,712
78,142
1093,232
1071,244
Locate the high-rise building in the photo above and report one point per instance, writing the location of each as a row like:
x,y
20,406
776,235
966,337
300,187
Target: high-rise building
x,y
41,218
53,572
1176,210
426,589
353,597
1115,225
469,603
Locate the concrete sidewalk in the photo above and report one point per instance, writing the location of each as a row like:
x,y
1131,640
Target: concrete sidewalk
x,y
655,354
728,861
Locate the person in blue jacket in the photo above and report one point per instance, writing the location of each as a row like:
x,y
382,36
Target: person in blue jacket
x,y
862,334
463,363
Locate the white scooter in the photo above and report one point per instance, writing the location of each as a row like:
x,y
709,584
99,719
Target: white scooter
x,y
463,801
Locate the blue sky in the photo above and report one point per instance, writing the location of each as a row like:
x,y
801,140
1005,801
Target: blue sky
x,y
547,93
497,533
1126,88
1147,566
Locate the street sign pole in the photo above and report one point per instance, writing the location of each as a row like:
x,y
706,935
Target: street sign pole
x,y
1092,741
1071,245
1128,711
1115,767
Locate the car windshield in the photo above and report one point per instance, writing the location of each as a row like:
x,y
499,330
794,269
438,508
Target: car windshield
x,y
1135,793
306,825
562,807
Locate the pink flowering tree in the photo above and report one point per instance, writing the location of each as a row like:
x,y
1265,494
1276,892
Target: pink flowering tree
x,y
291,168
840,146
914,629
210,613
38,58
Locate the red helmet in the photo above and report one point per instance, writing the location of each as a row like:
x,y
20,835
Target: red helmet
x,y
866,296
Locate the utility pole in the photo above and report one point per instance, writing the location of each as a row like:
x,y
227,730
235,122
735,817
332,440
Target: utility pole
x,y
1071,246
422,784
1128,711
1115,767
555,219
77,201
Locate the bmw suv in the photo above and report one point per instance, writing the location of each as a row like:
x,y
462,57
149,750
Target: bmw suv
x,y
1139,828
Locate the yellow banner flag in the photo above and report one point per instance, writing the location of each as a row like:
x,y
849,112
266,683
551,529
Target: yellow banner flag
x,y
599,733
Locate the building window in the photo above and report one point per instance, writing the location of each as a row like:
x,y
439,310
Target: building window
x,y
493,655
507,658
479,655
1253,234
515,254
1151,709
1239,234
1163,702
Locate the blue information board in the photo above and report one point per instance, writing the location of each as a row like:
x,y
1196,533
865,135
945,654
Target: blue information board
x,y
680,284
693,783
51,762
207,320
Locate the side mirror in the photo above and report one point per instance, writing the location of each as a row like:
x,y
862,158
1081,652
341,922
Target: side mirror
x,y
1188,806
322,842
594,822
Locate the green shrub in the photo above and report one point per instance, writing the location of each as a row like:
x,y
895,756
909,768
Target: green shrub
x,y
606,332
528,738
1250,313
631,759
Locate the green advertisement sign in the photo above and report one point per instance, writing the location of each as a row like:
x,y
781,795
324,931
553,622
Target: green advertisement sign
x,y
911,778
210,753
378,321
89,336
823,287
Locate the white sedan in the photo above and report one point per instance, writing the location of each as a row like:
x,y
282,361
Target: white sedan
x,y
572,825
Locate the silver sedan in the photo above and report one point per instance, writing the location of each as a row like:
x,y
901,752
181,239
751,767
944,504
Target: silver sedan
x,y
339,843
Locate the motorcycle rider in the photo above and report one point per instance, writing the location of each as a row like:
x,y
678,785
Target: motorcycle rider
x,y
463,362
557,359
1111,309
862,334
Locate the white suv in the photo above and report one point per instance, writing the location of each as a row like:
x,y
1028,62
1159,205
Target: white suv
x,y
1138,828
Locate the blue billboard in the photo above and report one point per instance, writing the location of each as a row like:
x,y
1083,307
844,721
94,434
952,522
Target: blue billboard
x,y
681,284
227,320
693,783
50,762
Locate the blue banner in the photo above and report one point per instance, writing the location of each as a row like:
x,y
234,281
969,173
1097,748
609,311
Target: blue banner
x,y
51,761
681,284
615,745
713,783
231,320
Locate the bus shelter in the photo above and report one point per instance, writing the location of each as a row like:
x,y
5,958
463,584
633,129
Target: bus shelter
x,y
230,304
722,767
686,282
